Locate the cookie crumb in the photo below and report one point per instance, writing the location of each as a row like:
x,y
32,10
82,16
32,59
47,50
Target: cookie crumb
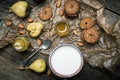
x,y
38,41
58,3
30,20
49,72
61,12
81,44
75,31
8,22
20,25
22,31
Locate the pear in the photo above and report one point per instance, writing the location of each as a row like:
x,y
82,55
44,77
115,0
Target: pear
x,y
20,8
38,66
35,29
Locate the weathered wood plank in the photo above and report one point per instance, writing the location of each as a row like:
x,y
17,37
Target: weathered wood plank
x,y
9,68
113,5
9,61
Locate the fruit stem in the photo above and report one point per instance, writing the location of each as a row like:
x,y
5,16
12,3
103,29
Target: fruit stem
x,y
21,68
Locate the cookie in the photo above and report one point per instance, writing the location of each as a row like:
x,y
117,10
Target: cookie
x,y
72,8
46,13
86,23
91,35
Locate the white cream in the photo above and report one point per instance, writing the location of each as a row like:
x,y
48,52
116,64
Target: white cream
x,y
66,60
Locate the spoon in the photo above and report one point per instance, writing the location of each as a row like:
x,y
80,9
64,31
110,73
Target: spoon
x,y
45,45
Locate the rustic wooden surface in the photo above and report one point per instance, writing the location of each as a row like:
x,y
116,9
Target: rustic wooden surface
x,y
9,62
113,5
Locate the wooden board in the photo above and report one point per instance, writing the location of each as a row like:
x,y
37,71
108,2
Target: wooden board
x,y
9,62
113,5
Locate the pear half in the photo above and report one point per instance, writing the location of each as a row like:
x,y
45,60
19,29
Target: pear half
x,y
35,29
38,66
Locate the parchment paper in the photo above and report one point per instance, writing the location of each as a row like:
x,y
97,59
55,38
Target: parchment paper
x,y
104,53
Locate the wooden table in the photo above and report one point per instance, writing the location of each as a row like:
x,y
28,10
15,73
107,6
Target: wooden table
x,y
9,60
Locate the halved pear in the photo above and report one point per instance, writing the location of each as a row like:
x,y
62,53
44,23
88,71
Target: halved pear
x,y
35,29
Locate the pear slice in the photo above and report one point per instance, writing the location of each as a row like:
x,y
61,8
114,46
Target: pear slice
x,y
38,66
20,8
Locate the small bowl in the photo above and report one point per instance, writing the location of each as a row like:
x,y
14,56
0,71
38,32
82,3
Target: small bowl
x,y
62,28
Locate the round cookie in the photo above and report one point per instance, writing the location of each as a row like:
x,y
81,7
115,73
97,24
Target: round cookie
x,y
91,35
46,13
86,23
72,8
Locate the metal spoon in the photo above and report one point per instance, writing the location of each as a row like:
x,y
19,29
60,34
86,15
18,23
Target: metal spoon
x,y
45,45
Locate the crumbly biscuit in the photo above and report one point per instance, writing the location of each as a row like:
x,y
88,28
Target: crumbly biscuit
x,y
86,23
91,35
46,13
72,8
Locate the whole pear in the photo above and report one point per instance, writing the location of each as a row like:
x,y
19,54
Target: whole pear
x,y
20,8
38,66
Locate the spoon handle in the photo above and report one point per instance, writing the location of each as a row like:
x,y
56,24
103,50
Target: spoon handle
x,y
24,62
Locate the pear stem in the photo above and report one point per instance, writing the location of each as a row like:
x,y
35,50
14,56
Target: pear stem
x,y
21,68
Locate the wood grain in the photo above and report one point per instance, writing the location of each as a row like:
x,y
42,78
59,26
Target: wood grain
x,y
113,5
9,61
